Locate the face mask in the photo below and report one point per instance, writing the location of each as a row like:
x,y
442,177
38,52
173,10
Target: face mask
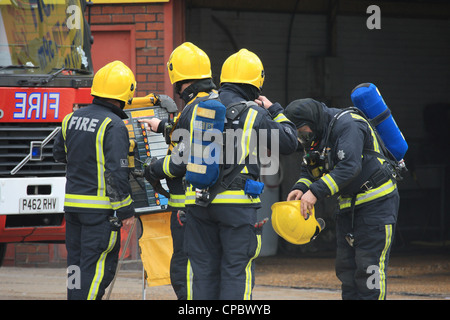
x,y
306,138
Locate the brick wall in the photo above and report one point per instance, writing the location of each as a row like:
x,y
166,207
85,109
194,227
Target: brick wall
x,y
35,255
148,20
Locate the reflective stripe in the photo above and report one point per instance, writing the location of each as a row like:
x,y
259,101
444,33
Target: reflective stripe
x,y
189,279
331,184
116,205
248,271
226,197
100,267
280,118
191,129
247,134
166,164
101,191
305,182
177,200
81,201
245,170
376,145
370,195
64,128
382,263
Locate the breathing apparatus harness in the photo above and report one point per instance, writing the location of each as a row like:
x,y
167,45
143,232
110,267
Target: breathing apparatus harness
x,y
319,163
230,178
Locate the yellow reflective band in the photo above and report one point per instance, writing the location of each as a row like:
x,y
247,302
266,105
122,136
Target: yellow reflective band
x,y
331,184
226,197
166,164
120,204
280,118
247,134
305,181
100,267
248,271
376,145
177,200
64,128
81,201
370,195
382,264
245,170
191,129
189,278
101,191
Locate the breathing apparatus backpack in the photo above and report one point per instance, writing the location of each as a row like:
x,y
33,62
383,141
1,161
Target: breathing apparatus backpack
x,y
392,144
367,98
205,154
205,170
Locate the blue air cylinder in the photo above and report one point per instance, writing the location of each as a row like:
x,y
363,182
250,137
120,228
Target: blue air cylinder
x,y
203,167
368,99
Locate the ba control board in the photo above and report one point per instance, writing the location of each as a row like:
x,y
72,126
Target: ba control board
x,y
148,144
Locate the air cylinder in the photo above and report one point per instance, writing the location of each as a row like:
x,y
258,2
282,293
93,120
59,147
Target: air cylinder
x,y
367,98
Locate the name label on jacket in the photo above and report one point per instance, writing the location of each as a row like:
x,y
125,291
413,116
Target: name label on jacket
x,y
83,124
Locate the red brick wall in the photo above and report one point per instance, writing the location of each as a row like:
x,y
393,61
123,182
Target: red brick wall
x,y
148,20
35,255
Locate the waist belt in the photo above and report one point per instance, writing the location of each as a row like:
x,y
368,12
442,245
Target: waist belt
x,y
378,178
239,182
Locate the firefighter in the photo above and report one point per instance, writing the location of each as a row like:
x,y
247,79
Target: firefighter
x,y
342,157
223,238
94,143
189,70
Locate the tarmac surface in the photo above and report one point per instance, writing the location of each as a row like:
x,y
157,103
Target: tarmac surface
x,y
411,276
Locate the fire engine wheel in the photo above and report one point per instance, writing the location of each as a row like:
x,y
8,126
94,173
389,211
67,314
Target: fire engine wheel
x,y
2,252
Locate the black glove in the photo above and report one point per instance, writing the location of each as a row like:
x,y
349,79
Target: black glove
x,y
151,177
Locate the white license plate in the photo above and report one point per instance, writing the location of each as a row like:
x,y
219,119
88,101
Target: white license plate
x,y
38,205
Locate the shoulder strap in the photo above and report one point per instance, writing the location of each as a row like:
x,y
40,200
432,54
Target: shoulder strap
x,y
235,110
385,153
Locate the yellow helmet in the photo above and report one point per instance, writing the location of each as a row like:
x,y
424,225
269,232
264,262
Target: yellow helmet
x,y
188,62
243,67
289,224
114,81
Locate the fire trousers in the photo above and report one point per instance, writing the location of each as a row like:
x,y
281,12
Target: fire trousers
x,y
93,245
178,261
362,265
221,243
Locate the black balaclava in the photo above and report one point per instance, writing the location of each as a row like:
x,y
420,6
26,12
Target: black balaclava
x,y
247,91
307,112
202,85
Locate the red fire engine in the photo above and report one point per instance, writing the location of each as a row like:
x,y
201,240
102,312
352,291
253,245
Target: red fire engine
x,y
45,73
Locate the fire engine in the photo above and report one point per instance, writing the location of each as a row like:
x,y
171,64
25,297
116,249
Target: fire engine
x,y
45,73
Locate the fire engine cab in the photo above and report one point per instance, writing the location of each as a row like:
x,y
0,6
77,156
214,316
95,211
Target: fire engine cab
x,y
45,73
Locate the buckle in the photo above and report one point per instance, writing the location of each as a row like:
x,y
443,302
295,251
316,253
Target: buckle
x,y
366,186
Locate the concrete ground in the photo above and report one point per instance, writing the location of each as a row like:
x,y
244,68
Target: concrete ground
x,y
411,276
